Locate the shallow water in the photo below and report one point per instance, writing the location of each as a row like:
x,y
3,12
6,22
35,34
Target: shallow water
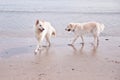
x,y
17,17
62,5
21,23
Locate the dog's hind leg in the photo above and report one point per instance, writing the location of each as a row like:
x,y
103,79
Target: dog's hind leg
x,y
48,40
96,38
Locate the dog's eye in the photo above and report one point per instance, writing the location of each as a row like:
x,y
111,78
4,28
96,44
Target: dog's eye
x,y
40,25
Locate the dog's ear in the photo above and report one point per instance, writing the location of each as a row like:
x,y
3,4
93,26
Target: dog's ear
x,y
71,25
43,21
37,22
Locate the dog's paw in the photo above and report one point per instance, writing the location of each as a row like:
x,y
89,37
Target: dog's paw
x,y
35,52
70,44
82,43
44,46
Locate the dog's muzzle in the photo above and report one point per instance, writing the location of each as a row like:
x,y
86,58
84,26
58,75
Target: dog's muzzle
x,y
42,29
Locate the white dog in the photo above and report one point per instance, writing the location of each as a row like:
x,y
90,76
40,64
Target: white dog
x,y
43,30
80,29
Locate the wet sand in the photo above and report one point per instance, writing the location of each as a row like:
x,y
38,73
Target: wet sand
x,y
60,61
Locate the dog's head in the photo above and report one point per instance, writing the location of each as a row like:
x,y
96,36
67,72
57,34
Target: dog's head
x,y
70,27
39,25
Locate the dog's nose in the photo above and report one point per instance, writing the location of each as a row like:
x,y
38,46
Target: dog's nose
x,y
43,29
68,29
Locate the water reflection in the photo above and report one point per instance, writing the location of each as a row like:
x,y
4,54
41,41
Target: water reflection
x,y
83,50
94,49
44,50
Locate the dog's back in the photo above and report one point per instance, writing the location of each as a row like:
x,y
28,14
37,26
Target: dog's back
x,y
89,26
50,30
93,27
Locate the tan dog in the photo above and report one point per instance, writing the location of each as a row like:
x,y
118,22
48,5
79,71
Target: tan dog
x,y
43,30
80,29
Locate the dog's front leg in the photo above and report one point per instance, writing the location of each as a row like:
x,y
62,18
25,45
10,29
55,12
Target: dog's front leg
x,y
82,39
40,43
39,46
76,37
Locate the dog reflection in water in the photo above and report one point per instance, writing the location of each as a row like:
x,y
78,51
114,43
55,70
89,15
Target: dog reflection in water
x,y
44,50
82,51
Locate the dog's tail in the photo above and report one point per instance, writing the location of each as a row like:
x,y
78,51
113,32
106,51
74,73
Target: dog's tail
x,y
102,26
54,33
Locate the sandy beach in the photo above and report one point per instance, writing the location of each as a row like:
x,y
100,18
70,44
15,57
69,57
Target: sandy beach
x,y
60,61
